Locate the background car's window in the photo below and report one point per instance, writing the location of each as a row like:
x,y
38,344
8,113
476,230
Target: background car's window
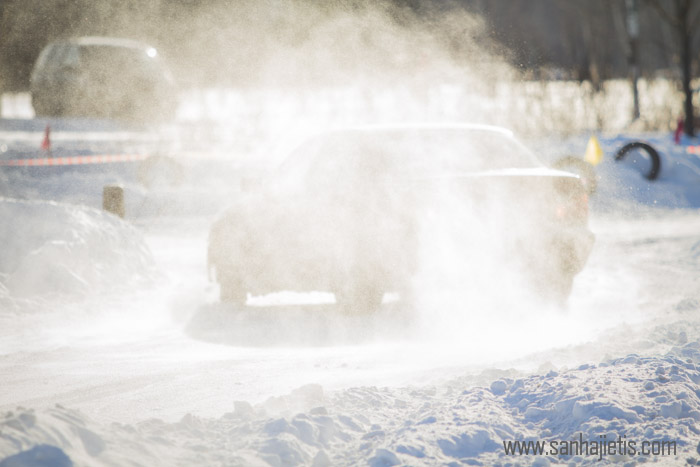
x,y
105,58
43,61
70,57
51,59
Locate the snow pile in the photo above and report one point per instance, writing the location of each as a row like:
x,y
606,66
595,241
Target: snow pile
x,y
631,399
51,248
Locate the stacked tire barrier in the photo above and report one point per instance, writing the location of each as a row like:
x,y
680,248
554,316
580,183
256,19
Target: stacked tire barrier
x,y
655,169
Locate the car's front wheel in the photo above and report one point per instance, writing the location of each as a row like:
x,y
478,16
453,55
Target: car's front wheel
x,y
231,290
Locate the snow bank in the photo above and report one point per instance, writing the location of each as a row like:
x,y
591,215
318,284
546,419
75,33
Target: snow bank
x,y
622,184
51,248
678,184
632,399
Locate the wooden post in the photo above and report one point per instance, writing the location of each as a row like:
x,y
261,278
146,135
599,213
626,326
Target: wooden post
x,y
113,200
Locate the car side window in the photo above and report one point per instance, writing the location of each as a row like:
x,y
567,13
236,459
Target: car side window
x,y
348,164
43,60
70,57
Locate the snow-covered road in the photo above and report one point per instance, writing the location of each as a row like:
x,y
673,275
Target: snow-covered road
x,y
145,352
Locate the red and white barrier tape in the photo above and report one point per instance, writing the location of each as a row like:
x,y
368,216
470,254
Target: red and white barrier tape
x,y
693,150
73,160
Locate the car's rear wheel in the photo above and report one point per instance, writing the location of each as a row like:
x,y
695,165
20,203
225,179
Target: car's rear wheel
x,y
359,297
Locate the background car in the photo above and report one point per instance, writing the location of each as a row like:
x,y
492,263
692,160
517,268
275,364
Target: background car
x,y
102,77
349,212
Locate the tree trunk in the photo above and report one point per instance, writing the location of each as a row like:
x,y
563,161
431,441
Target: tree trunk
x,y
686,59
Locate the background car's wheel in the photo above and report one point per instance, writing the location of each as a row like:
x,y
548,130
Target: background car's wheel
x,y
358,298
46,108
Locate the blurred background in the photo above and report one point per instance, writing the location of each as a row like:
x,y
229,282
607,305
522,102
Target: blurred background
x,y
533,65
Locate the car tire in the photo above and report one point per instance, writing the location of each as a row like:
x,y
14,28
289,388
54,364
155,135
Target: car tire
x,y
360,298
653,155
231,291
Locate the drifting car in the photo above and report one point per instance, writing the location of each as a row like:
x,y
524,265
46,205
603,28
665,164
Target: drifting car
x,y
347,213
102,77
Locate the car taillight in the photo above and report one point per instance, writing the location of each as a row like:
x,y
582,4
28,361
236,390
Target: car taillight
x,y
571,202
576,209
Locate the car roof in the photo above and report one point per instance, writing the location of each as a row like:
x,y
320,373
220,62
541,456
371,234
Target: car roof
x,y
399,127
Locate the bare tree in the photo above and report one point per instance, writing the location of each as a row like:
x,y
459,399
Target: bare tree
x,y
684,19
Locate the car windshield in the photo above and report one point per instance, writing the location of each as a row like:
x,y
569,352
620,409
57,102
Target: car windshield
x,y
115,59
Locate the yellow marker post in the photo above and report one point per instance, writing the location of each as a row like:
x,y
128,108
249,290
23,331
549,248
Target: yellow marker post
x,y
594,153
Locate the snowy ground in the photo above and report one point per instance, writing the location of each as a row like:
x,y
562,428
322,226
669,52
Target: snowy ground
x,y
114,350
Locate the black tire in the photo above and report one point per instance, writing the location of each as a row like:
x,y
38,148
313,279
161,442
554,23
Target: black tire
x,y
653,155
580,167
359,298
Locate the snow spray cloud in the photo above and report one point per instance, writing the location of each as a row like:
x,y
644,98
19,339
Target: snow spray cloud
x,y
296,66
300,66
484,249
314,67
298,45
